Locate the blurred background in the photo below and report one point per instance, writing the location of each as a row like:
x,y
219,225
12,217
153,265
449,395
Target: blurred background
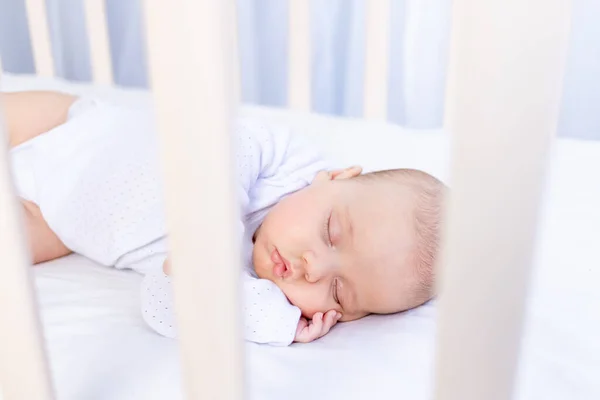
x,y
419,48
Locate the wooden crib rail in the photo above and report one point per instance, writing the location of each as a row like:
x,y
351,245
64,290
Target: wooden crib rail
x,y
190,49
23,365
24,372
39,32
377,50
376,77
506,68
97,27
299,66
95,20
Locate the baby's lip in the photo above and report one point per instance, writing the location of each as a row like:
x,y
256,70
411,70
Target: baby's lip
x,y
282,268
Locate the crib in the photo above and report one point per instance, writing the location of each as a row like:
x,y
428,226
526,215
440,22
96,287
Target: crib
x,y
506,57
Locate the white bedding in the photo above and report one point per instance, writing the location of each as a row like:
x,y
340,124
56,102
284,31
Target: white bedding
x,y
100,348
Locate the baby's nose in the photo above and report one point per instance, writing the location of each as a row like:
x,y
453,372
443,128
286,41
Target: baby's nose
x,y
311,270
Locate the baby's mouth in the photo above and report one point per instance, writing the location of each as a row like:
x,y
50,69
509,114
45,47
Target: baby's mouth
x,y
281,267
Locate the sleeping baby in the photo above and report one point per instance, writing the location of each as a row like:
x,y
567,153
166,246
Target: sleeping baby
x,y
320,246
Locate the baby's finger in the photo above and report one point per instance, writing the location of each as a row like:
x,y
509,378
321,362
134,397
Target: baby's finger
x,y
330,318
330,321
316,325
302,324
167,267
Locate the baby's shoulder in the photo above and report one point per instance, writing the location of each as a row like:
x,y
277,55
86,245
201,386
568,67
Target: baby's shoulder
x,y
259,141
259,131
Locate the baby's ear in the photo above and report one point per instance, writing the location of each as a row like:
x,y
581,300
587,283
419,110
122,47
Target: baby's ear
x,y
345,173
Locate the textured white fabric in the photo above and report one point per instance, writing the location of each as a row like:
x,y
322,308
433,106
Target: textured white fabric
x,y
97,183
268,316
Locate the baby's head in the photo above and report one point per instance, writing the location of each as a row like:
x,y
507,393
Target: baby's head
x,y
358,244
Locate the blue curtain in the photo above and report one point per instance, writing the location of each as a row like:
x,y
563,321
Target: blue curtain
x,y
418,58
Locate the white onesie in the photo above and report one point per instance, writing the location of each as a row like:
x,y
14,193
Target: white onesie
x,y
97,182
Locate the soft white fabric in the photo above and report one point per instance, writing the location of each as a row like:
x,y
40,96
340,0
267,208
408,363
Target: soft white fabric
x,y
268,316
97,182
100,347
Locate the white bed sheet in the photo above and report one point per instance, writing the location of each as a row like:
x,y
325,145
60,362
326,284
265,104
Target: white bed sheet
x,y
100,348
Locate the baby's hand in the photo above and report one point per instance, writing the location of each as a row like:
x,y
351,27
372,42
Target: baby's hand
x,y
167,267
318,326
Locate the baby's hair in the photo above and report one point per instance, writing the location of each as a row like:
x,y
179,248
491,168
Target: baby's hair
x,y
429,195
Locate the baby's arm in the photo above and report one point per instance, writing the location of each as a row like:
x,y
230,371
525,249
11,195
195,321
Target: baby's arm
x,y
157,304
29,114
272,163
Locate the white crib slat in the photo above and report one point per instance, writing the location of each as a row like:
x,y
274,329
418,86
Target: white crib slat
x,y
299,72
506,67
97,27
377,58
190,56
236,63
40,37
23,365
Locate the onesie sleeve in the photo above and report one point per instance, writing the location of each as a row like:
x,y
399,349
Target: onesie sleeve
x,y
268,317
157,303
272,163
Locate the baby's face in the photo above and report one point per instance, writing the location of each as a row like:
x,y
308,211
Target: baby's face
x,y
342,245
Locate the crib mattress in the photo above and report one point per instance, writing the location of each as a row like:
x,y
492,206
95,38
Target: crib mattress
x,y
100,348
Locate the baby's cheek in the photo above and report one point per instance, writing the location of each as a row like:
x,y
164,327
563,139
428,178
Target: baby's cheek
x,y
261,261
303,300
352,317
308,313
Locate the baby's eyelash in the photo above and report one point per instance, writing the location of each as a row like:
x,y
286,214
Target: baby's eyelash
x,y
335,291
326,234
